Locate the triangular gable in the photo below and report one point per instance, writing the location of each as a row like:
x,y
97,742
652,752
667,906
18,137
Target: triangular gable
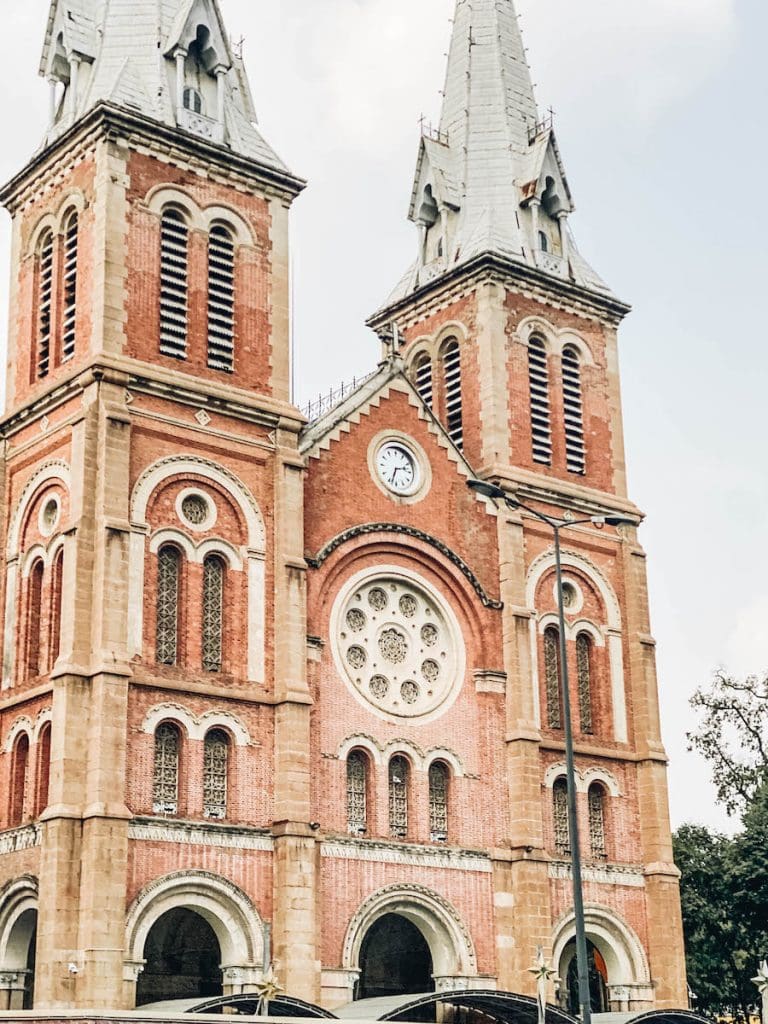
x,y
71,29
544,161
435,166
183,31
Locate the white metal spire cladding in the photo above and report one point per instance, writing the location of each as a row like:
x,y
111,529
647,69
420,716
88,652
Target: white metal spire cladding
x,y
490,179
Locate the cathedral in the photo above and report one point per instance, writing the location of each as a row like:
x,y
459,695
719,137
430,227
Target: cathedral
x,y
280,693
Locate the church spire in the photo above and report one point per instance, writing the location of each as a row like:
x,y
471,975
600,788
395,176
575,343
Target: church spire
x,y
171,61
490,179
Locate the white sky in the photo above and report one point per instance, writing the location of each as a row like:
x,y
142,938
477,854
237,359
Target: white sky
x,y
664,144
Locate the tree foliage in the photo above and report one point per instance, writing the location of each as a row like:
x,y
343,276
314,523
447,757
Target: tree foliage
x,y
733,737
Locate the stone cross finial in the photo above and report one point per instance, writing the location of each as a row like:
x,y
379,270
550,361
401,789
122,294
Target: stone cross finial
x,y
543,973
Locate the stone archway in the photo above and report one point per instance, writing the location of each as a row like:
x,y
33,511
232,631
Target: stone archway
x,y
598,980
18,942
182,959
395,959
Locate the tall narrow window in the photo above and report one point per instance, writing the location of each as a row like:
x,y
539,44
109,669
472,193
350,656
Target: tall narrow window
x,y
541,427
168,573
213,612
19,766
423,379
454,416
573,409
398,797
584,672
552,677
597,821
357,793
45,305
43,770
174,251
221,299
69,311
215,774
34,620
165,788
438,802
193,100
57,581
560,811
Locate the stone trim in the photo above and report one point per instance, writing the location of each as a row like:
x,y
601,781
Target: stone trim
x,y
188,833
412,856
17,839
605,874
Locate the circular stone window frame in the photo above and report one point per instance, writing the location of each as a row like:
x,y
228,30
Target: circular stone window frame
x,y
578,604
423,483
197,492
384,573
48,529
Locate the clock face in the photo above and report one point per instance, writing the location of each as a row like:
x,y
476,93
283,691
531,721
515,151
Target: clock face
x,y
397,468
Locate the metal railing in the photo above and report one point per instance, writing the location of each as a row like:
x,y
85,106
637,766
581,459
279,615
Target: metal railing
x,y
323,404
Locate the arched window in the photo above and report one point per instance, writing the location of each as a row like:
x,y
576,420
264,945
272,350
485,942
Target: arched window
x,y
165,785
541,427
454,416
44,304
398,797
423,379
174,252
357,793
560,812
584,673
43,770
221,299
596,799
543,242
552,677
19,765
193,100
69,308
168,585
215,774
57,582
34,620
438,802
213,612
573,409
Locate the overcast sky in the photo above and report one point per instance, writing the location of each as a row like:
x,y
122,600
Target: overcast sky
x,y
660,115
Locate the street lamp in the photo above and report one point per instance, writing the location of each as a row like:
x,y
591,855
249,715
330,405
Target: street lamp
x,y
489,490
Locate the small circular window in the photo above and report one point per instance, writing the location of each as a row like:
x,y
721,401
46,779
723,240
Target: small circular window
x,y
196,510
573,599
50,513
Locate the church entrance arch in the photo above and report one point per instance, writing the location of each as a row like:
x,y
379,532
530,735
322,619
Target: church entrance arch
x,y
395,959
18,944
598,980
182,959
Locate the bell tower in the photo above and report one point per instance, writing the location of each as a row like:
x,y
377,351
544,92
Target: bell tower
x,y
149,466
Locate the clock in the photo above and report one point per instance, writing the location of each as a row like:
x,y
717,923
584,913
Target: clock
x,y
398,468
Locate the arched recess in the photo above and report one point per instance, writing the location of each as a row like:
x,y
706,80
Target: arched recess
x,y
231,915
18,934
196,727
617,943
253,554
570,559
448,938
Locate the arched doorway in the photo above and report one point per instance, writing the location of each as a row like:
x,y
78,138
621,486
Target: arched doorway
x,y
598,980
395,959
183,959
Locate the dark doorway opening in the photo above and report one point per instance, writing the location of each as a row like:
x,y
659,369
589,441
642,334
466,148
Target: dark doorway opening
x,y
183,959
394,960
29,987
598,980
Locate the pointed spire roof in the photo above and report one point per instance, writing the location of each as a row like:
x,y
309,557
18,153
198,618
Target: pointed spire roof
x,y
492,159
125,52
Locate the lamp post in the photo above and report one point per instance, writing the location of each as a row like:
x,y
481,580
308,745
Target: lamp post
x,y
490,490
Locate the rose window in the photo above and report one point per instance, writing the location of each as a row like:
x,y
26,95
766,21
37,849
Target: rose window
x,y
398,646
194,508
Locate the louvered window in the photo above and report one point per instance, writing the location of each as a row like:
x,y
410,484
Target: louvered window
x,y
423,379
193,100
168,572
174,251
57,580
69,324
541,427
19,766
560,811
573,409
34,620
215,774
45,305
165,795
597,822
221,299
398,797
438,802
454,417
357,793
213,612
584,672
552,677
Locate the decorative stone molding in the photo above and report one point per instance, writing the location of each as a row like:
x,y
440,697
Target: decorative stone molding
x,y
55,469
196,726
605,874
196,834
410,856
488,681
17,839
619,945
584,779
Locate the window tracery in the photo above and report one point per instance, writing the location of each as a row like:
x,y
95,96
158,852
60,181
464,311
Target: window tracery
x,y
357,793
552,677
165,792
215,774
398,797
168,573
584,675
213,613
560,812
438,802
596,799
